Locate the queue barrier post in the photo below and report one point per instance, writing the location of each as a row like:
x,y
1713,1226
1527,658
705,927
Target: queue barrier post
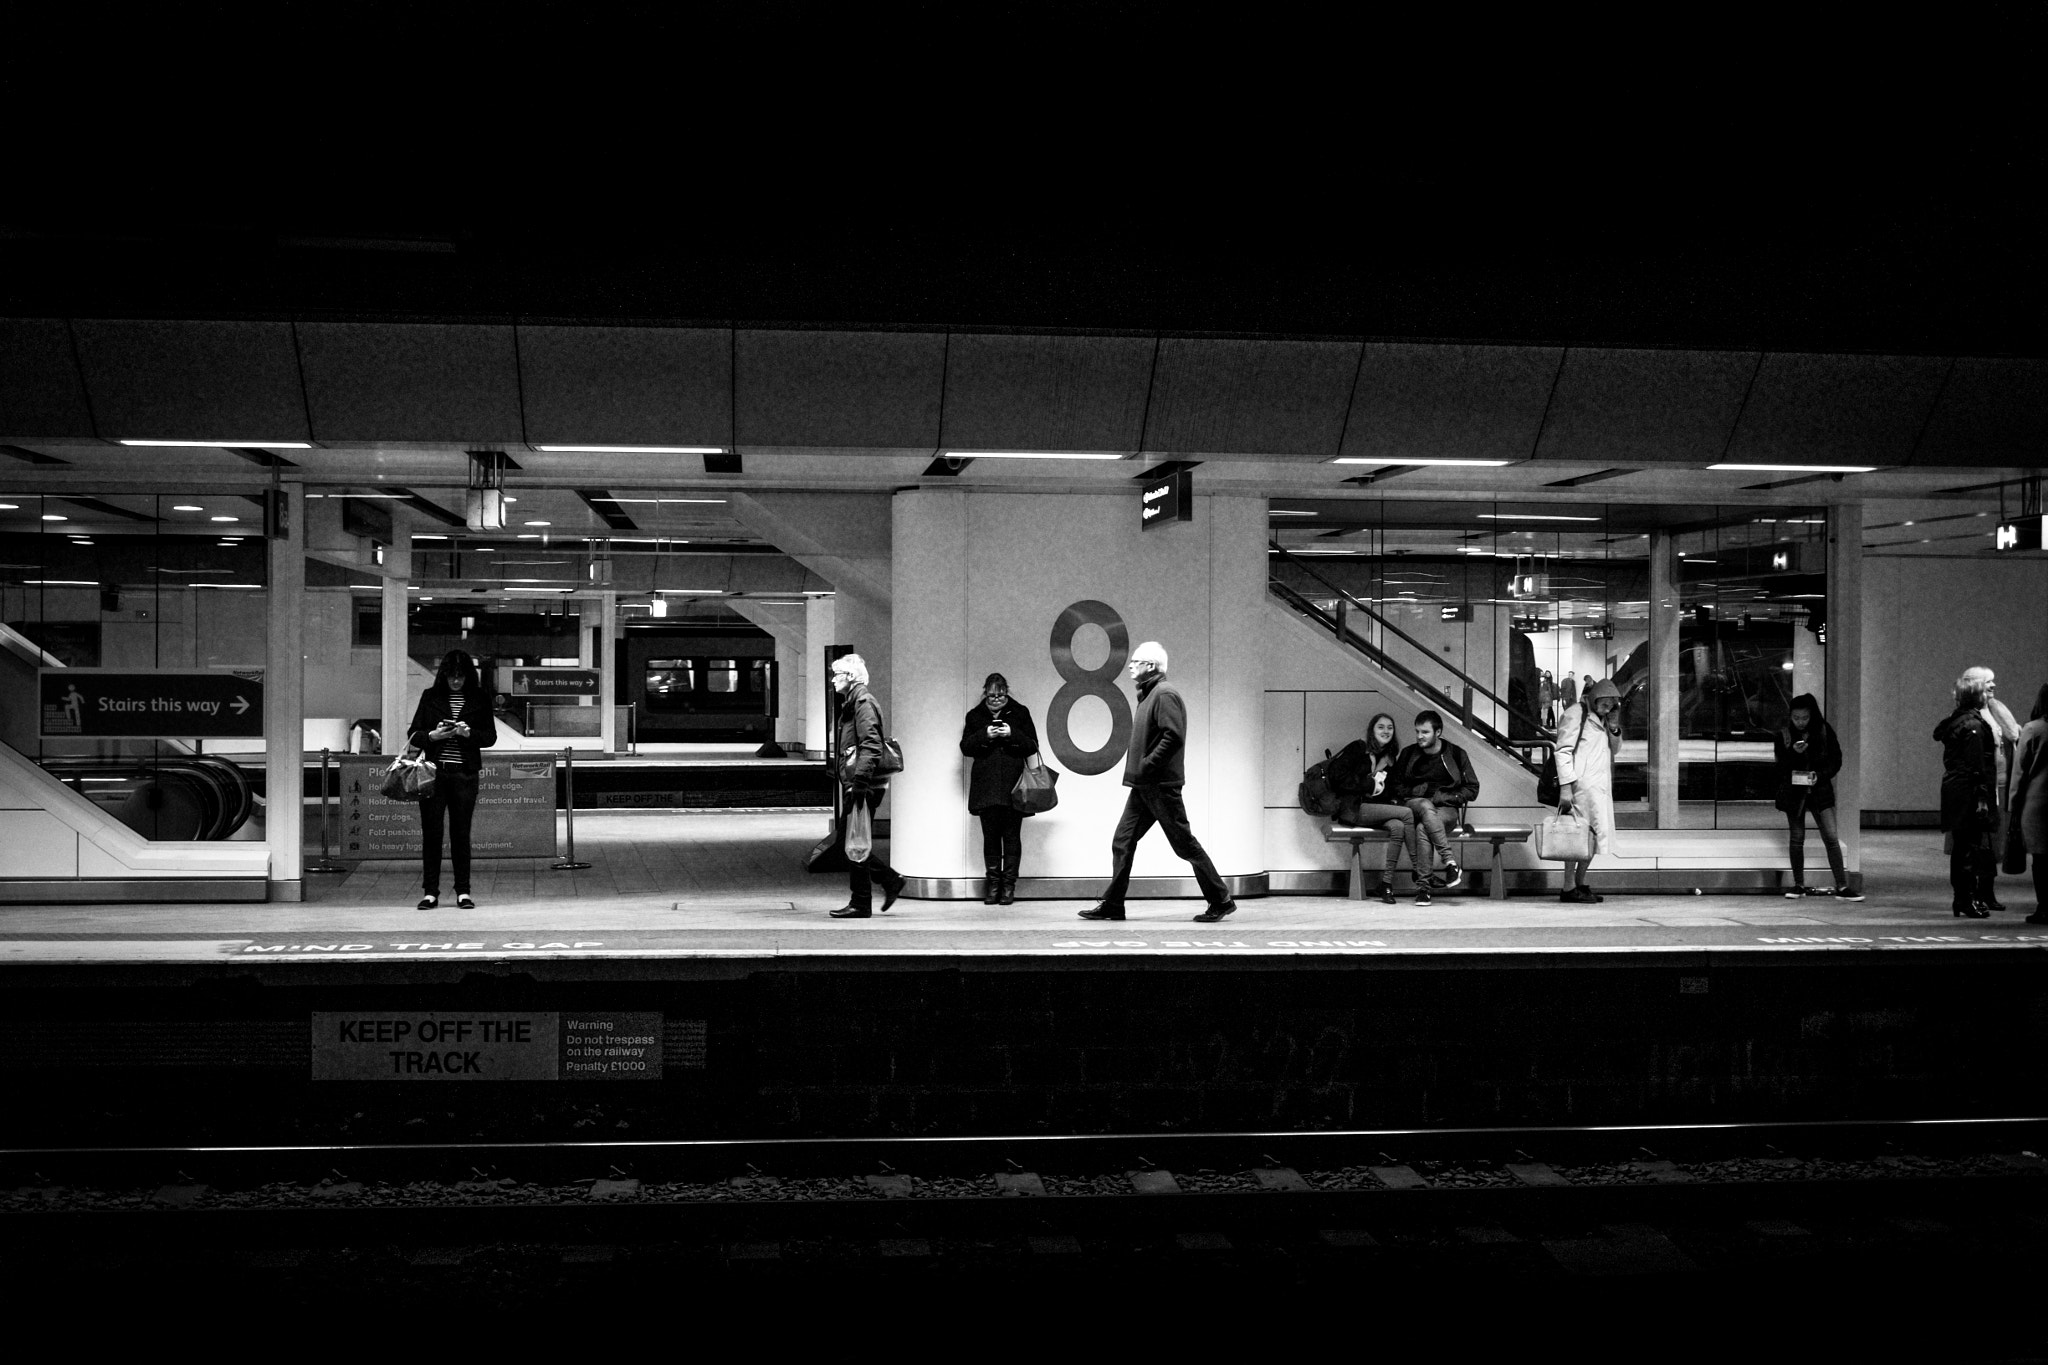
x,y
325,864
569,863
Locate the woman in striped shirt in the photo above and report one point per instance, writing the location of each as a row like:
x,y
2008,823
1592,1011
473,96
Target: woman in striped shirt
x,y
454,725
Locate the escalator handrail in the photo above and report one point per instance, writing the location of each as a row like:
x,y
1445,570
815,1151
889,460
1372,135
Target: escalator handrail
x,y
1460,674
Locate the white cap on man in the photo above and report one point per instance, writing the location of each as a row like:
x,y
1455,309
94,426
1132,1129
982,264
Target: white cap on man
x,y
1151,652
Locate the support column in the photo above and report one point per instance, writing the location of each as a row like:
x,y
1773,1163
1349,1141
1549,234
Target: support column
x,y
607,649
821,619
1843,699
397,641
1235,831
284,710
1663,679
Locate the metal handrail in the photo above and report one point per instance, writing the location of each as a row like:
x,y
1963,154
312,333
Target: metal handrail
x,y
1472,686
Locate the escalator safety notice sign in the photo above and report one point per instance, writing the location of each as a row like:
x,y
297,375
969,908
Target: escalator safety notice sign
x,y
165,703
415,1045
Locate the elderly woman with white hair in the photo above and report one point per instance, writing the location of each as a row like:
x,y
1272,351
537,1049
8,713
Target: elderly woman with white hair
x,y
863,758
1973,767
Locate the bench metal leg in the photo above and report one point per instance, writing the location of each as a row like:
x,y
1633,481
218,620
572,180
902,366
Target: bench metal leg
x,y
1358,869
1499,875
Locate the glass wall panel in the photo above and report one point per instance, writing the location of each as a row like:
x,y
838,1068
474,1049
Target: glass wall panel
x,y
165,596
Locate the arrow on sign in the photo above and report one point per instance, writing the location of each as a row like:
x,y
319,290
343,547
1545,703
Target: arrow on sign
x,y
241,706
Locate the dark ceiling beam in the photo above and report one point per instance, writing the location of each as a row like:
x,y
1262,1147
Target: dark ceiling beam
x,y
1787,483
432,509
258,456
109,509
600,501
724,463
30,456
1576,480
946,466
1382,474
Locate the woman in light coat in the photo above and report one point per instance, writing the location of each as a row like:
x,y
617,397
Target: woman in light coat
x,y
1587,736
2026,827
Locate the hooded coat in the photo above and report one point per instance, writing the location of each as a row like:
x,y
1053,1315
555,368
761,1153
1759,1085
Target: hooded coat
x,y
1969,773
2026,826
998,763
1822,757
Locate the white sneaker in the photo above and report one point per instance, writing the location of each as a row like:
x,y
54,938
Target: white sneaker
x,y
1796,893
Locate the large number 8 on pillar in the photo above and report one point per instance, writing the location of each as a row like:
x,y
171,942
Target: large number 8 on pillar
x,y
1079,682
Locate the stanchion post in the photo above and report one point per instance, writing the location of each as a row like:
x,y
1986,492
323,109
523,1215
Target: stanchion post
x,y
326,863
569,864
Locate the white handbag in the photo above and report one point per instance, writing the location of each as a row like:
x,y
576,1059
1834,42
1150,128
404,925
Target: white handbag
x,y
1563,839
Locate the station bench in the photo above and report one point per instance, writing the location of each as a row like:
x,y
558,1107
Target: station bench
x,y
1358,836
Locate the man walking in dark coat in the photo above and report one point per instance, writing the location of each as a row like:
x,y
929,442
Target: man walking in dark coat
x,y
1155,771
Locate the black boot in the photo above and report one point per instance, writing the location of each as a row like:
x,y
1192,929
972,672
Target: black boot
x,y
992,886
1009,893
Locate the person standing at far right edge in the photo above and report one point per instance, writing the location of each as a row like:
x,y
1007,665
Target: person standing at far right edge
x,y
1155,771
1585,775
2026,822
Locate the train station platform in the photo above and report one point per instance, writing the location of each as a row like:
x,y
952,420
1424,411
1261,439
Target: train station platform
x,y
713,891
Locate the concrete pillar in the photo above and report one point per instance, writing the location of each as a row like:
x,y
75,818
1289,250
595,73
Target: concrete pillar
x,y
786,623
605,635
979,581
1843,699
284,703
820,629
397,641
1663,679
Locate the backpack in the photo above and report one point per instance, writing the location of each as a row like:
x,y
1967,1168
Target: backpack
x,y
1350,772
1316,794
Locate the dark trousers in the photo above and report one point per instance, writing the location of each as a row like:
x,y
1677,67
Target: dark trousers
x,y
1161,806
455,798
1973,864
1826,820
1002,840
861,877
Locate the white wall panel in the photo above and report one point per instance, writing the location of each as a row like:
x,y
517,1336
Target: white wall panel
x,y
627,386
35,843
402,381
191,380
1284,722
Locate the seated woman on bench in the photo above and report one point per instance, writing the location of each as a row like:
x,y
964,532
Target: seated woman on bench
x,y
1366,800
1430,776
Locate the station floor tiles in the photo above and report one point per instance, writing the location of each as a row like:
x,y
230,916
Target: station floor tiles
x,y
731,885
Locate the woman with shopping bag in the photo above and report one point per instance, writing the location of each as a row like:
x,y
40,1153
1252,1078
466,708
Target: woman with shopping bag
x,y
1000,737
865,756
1587,736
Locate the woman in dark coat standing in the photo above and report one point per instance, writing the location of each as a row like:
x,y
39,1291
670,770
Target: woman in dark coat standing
x,y
453,724
1808,756
1969,798
2026,821
1000,737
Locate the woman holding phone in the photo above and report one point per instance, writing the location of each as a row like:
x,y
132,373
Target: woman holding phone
x,y
453,724
1000,737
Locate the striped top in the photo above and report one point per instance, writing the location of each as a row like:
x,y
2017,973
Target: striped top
x,y
451,747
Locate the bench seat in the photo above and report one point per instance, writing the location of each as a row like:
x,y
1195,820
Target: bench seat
x,y
1497,836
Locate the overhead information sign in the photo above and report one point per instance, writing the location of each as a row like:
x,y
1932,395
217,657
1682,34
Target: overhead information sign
x,y
416,1045
168,703
515,810
1170,497
554,682
2028,533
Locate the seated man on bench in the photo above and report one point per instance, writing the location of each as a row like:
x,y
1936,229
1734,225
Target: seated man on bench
x,y
1434,780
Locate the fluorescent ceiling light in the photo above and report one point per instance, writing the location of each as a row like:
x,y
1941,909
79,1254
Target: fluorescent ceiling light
x,y
667,501
633,450
1354,459
1034,455
1799,468
10,507
763,602
1288,512
194,507
62,582
418,535
52,516
690,592
223,518
1528,516
223,585
553,590
223,445
540,523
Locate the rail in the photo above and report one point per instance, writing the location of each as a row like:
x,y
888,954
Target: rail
x,y
1338,622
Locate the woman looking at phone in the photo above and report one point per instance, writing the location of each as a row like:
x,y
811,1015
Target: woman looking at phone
x,y
453,725
1000,737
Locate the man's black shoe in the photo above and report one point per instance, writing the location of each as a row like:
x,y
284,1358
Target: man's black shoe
x,y
1215,912
890,893
852,912
1104,912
